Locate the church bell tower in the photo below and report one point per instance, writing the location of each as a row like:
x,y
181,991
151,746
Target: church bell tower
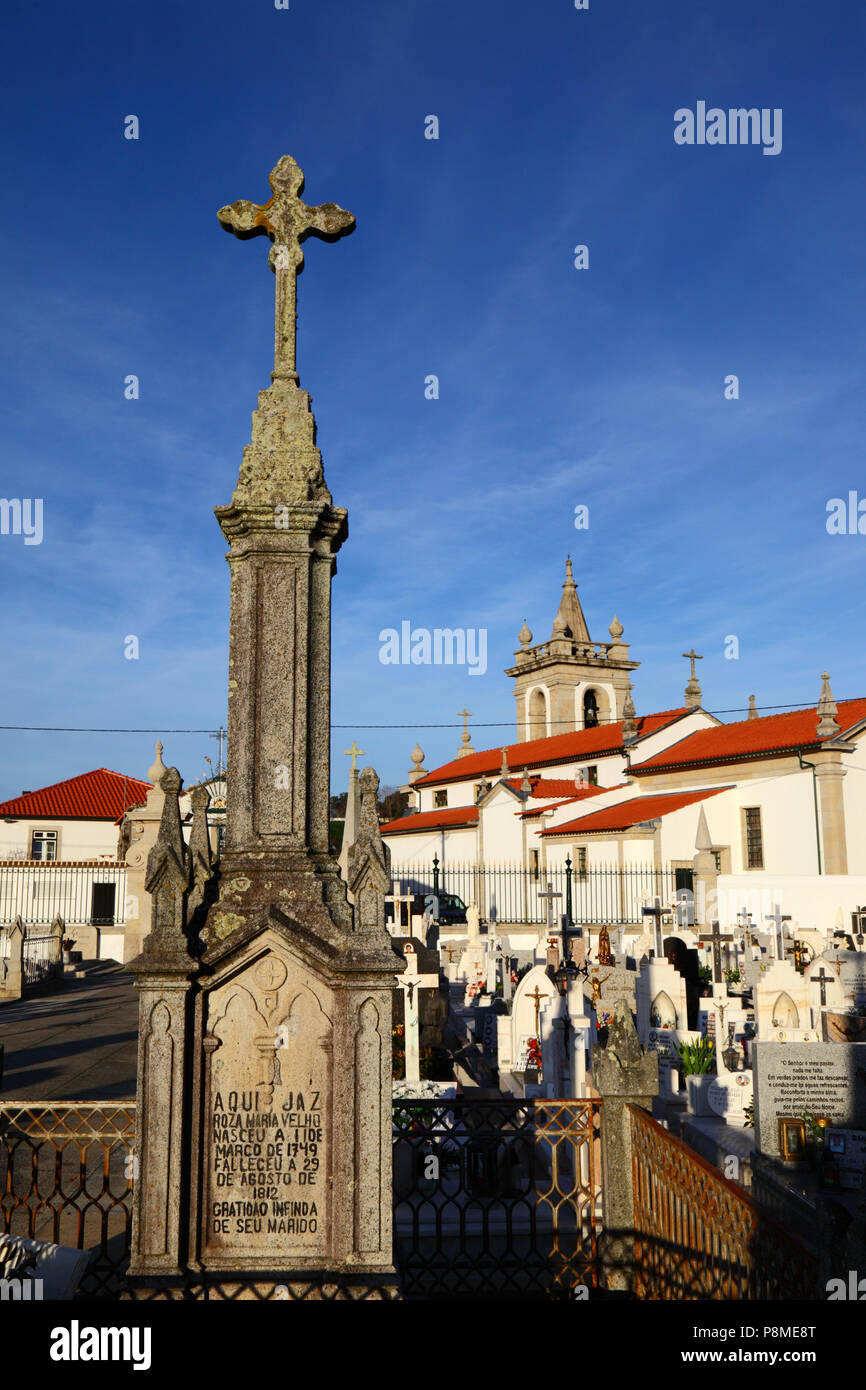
x,y
569,682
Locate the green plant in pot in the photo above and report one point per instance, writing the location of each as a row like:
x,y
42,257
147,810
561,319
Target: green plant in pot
x,y
698,1065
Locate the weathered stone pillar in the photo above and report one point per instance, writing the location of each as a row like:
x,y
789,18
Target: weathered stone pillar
x,y
57,931
12,965
280,1005
623,1075
138,833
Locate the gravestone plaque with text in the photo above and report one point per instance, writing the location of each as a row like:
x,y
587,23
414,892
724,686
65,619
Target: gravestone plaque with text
x,y
823,1079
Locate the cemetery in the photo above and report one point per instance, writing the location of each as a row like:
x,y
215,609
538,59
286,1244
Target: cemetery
x,y
344,1092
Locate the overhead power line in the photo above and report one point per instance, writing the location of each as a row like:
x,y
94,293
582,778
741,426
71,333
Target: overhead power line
x,y
477,724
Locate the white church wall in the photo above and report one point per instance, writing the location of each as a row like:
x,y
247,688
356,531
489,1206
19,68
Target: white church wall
x,y
854,794
815,902
452,846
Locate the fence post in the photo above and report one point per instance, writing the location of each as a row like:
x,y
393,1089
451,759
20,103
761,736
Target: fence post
x,y
568,917
435,875
12,982
58,931
623,1075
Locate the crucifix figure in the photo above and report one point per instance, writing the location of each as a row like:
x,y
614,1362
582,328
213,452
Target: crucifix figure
x,y
659,914
410,983
537,997
716,937
777,919
354,753
287,221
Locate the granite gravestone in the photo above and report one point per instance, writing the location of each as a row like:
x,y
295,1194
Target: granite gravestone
x,y
823,1079
264,1078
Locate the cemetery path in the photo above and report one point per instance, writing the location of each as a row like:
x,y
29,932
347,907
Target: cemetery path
x,y
78,1044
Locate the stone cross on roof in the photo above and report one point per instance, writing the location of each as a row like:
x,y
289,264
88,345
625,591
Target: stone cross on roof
x,y
287,221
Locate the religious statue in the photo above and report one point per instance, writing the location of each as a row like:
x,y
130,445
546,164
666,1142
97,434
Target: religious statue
x,y
595,985
473,918
604,957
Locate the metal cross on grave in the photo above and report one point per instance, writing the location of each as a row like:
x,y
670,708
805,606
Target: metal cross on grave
x,y
777,918
659,914
410,982
716,937
823,980
287,221
549,895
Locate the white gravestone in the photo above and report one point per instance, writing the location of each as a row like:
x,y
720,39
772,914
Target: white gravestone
x,y
660,996
664,1041
534,991
782,1000
410,983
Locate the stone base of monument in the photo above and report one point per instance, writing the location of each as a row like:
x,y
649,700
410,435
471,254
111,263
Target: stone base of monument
x,y
309,1287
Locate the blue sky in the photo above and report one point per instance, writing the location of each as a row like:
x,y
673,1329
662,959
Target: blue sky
x,y
558,387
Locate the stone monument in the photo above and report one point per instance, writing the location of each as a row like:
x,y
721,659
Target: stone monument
x,y
264,1089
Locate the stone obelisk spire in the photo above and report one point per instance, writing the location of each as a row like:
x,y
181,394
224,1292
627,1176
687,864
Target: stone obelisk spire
x,y
284,534
267,1132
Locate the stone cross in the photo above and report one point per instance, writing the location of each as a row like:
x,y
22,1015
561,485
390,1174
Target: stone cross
x,y
505,962
777,918
550,896
692,656
716,937
823,980
537,997
398,899
354,753
410,983
287,221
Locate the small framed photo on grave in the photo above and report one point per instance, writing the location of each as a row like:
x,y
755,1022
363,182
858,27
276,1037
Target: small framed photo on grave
x,y
792,1139
835,1143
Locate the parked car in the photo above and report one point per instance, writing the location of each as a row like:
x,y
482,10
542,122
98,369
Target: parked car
x,y
451,911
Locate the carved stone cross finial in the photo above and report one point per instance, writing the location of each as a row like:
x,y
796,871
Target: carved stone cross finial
x,y
354,753
287,221
692,656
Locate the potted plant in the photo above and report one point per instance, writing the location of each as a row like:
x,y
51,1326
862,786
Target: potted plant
x,y
734,979
67,944
697,1060
705,975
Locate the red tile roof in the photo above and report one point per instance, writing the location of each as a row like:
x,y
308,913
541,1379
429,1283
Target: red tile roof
x,y
547,786
767,736
565,801
443,817
541,752
633,812
97,795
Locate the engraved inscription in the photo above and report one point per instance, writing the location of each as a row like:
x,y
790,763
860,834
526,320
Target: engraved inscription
x,y
269,1113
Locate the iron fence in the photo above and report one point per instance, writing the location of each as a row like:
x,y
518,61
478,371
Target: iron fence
x,y
41,958
496,1198
700,1236
65,1177
83,892
511,893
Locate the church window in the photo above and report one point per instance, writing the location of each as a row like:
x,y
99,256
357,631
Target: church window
x,y
581,861
754,837
592,775
533,863
537,715
590,710
440,798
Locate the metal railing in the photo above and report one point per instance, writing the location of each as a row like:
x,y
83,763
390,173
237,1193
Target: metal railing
x,y
700,1236
82,892
41,958
496,1198
65,1177
613,894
